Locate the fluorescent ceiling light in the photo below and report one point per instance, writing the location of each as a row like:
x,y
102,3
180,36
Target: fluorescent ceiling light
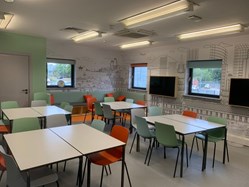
x,y
168,10
137,44
9,1
86,35
5,20
215,31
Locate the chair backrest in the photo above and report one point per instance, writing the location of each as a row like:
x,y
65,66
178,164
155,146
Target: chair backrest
x,y
166,135
109,95
2,160
189,113
87,96
98,109
14,176
98,124
220,132
42,96
56,120
155,111
128,100
25,124
120,98
121,133
68,108
35,103
136,112
9,104
141,102
109,99
90,102
142,127
107,111
63,104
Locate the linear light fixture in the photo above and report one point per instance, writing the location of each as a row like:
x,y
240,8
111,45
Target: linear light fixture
x,y
215,31
136,44
5,19
149,16
86,35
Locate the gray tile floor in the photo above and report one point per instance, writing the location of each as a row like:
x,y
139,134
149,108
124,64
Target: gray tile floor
x,y
160,172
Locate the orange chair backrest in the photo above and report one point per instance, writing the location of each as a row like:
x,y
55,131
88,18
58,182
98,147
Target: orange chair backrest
x,y
109,95
90,102
2,163
189,114
140,102
87,97
120,98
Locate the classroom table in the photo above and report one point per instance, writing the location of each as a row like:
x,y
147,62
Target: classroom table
x,y
184,126
17,113
88,140
37,148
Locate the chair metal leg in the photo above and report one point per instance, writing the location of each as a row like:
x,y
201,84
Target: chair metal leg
x,y
101,180
57,183
151,149
135,135
1,175
186,153
164,152
176,161
197,145
109,167
148,150
227,151
214,154
126,168
65,164
192,145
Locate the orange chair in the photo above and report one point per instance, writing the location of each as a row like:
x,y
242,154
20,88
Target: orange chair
x,y
120,98
2,164
141,102
109,95
90,106
87,97
189,113
105,158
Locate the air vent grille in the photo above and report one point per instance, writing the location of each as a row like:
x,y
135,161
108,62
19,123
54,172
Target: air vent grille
x,y
75,29
134,33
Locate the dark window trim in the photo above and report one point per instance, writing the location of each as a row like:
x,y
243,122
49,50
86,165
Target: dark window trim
x,y
133,66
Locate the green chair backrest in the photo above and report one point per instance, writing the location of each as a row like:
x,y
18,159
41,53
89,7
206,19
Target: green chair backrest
x,y
109,99
7,105
68,108
98,109
166,135
56,120
107,111
25,124
155,111
63,104
136,112
98,124
142,127
128,100
220,132
42,96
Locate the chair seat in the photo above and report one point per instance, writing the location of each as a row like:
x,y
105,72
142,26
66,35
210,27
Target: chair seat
x,y
151,127
103,158
4,129
210,138
42,176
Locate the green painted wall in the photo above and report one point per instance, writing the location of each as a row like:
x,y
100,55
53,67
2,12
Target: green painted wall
x,y
35,47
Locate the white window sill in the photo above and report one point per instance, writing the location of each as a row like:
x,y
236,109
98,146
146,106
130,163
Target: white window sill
x,y
203,98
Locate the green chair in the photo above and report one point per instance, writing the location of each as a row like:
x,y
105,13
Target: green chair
x,y
98,124
7,105
63,104
98,110
214,136
155,111
25,124
109,116
42,96
166,136
128,100
109,99
144,132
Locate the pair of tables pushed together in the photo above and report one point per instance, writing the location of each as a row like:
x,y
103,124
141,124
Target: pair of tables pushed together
x,y
186,125
36,148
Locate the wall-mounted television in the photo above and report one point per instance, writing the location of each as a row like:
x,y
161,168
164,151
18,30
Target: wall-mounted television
x,y
239,92
163,85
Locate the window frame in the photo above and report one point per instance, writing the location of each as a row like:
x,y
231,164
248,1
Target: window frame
x,y
133,66
190,77
72,62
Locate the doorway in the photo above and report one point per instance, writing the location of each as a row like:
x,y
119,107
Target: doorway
x,y
15,78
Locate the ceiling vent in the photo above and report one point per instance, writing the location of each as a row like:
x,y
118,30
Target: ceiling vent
x,y
74,29
140,33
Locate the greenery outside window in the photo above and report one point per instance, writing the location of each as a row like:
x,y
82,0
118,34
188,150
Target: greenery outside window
x,y
204,78
139,76
60,73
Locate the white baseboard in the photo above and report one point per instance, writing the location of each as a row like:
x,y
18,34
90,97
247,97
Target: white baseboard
x,y
238,139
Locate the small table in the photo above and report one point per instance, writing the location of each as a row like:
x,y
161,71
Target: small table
x,y
88,140
37,148
17,113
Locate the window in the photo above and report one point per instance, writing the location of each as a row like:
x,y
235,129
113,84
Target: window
x,y
60,73
139,76
204,78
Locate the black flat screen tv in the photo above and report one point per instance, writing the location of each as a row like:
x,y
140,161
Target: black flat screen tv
x,y
239,92
163,85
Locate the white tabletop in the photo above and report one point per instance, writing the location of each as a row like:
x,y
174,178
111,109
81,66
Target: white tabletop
x,y
122,105
39,147
194,121
86,139
50,110
180,127
16,113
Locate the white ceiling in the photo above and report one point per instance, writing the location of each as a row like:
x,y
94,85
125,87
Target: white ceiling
x,y
46,18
